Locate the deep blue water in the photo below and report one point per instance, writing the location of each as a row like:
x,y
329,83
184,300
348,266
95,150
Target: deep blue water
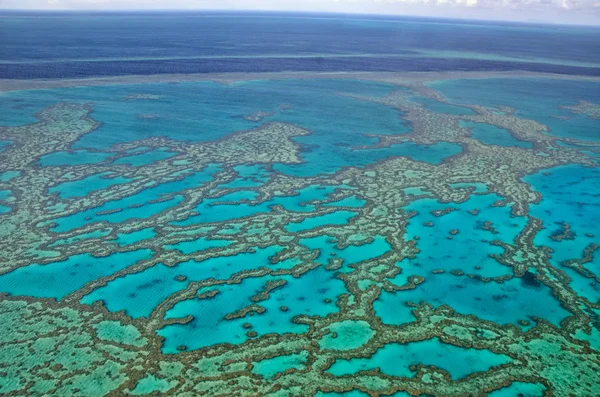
x,y
78,45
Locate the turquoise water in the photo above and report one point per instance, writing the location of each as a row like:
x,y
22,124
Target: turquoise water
x,y
152,384
492,135
139,293
8,175
4,145
353,393
125,239
533,98
249,176
332,158
272,366
331,219
593,150
308,104
222,282
503,303
349,335
396,359
201,244
124,208
593,336
356,393
76,157
173,112
55,280
138,160
5,198
469,249
520,389
570,196
83,187
230,206
208,326
351,254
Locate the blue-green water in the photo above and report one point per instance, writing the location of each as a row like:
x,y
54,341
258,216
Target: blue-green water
x,y
492,135
146,197
59,279
543,99
83,187
140,293
395,360
297,294
570,196
470,248
503,303
520,389
193,114
284,271
270,367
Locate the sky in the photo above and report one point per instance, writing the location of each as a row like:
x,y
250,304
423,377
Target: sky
x,y
550,11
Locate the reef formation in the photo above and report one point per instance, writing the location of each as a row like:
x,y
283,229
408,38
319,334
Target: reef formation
x,y
160,266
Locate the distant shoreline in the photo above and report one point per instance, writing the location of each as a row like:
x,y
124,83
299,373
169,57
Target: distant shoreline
x,y
8,85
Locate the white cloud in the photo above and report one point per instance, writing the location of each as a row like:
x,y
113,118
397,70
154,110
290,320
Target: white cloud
x,y
569,11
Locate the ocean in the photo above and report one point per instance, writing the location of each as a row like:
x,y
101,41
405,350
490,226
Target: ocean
x,y
298,205
64,45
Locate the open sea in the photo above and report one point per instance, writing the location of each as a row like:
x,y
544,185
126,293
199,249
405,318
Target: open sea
x,y
268,204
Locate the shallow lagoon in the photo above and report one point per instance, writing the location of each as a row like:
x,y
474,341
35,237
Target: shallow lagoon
x,y
396,360
460,239
234,298
537,99
188,111
570,198
505,303
208,328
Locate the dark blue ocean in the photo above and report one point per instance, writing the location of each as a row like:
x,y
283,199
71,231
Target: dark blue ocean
x,y
60,45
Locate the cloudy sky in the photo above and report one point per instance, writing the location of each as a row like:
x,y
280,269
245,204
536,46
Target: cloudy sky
x,y
554,11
